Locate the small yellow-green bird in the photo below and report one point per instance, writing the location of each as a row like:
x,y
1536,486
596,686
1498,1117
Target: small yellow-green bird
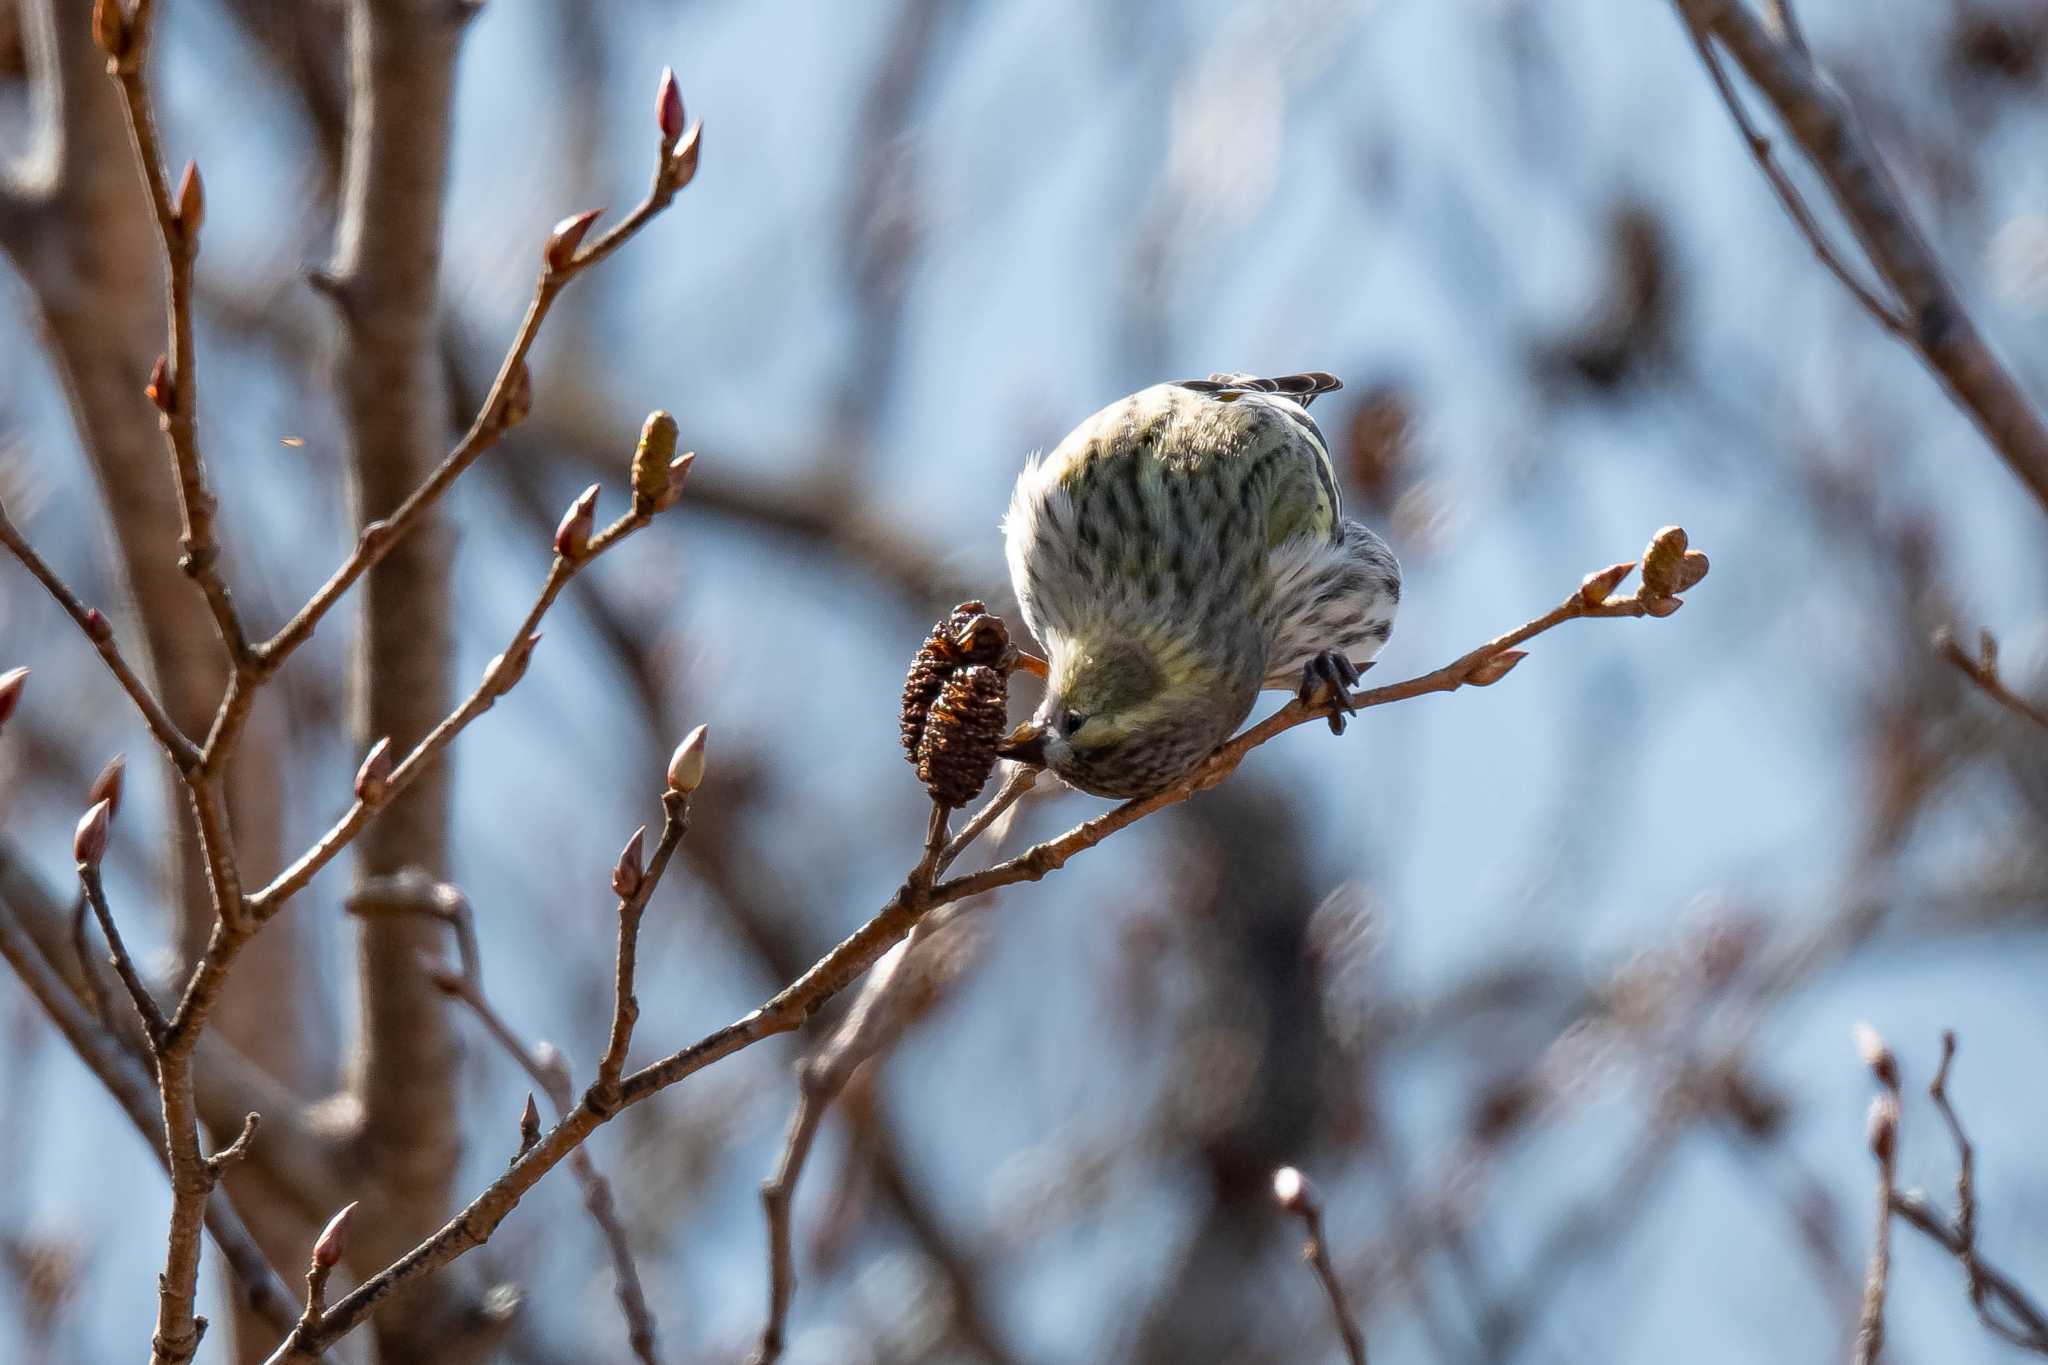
x,y
1177,552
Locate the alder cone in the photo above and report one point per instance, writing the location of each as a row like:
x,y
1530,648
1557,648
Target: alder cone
x,y
957,751
970,636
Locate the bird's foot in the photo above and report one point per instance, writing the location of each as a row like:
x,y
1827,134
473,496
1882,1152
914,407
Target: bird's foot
x,y
1330,673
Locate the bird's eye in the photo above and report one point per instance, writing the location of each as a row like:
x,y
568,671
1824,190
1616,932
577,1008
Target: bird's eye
x,y
1072,722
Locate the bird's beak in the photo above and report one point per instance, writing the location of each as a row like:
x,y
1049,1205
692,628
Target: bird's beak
x,y
1025,744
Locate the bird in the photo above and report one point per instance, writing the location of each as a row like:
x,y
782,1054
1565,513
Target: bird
x,y
1177,553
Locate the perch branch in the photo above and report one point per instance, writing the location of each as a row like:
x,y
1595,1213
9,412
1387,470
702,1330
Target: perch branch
x,y
787,1010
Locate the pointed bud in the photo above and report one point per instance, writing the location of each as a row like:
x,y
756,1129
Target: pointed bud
x,y
191,201
560,251
98,628
631,868
517,402
108,785
1883,1127
12,684
159,390
678,475
686,765
682,164
373,778
1987,651
1877,1056
1293,1191
1596,587
333,1242
651,468
110,28
1662,606
529,1125
1661,560
1491,670
89,841
572,536
668,108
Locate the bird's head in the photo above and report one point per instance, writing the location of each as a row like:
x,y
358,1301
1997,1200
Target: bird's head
x,y
1124,717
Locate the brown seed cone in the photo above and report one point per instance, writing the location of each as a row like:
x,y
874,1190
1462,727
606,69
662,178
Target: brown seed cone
x,y
957,751
968,636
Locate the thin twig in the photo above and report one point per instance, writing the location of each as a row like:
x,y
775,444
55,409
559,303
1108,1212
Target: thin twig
x,y
1961,1235
1937,326
548,1068
1887,314
1983,671
178,224
2032,1332
183,752
1884,1146
146,1007
509,392
675,807
1297,1195
822,1076
473,1225
503,673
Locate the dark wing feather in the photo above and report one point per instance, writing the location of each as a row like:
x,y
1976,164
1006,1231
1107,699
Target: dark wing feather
x,y
1302,388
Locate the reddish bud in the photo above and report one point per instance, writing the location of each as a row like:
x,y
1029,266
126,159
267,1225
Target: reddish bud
x,y
1491,670
572,536
560,251
668,107
98,628
1293,1191
191,201
682,164
12,684
631,869
110,28
1662,606
333,1240
373,778
89,841
1596,587
160,389
529,1125
686,764
107,786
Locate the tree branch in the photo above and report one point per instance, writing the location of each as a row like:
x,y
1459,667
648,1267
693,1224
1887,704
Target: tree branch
x,y
832,973
1294,1193
1932,317
1983,671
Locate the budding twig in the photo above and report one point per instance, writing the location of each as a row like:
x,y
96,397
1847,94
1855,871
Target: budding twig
x,y
1293,1192
1983,671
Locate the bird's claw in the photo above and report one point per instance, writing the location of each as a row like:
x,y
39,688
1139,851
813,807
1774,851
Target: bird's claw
x,y
1330,671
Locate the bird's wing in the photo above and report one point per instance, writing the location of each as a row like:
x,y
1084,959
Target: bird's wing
x,y
1302,388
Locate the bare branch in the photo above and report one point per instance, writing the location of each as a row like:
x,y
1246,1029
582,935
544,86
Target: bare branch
x,y
503,673
1293,1192
100,632
472,1226
1983,671
173,388
1936,325
503,407
146,1007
